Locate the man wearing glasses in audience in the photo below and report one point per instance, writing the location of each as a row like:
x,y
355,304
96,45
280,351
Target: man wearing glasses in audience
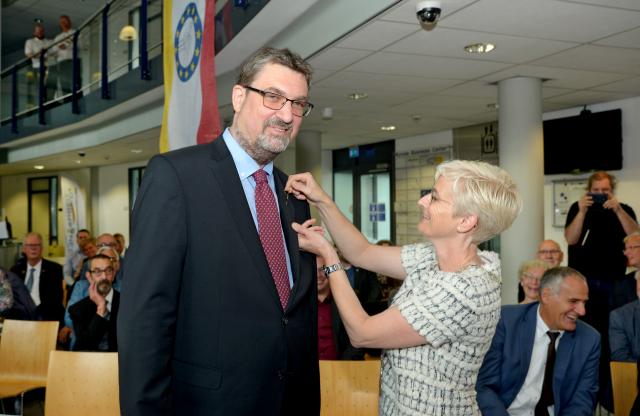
x,y
95,316
43,279
219,306
550,252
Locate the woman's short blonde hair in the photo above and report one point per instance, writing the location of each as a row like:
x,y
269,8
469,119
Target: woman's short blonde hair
x,y
483,190
532,264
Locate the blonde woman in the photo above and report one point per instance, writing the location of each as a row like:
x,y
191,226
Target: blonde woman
x,y
530,273
440,323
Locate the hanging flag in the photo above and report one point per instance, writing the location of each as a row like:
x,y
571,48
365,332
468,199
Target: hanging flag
x,y
190,100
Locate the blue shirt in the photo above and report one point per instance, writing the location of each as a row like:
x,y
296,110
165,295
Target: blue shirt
x,y
246,166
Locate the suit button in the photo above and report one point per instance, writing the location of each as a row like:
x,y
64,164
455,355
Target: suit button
x,y
285,320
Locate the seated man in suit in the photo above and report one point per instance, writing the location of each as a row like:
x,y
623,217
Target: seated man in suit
x,y
624,326
95,316
542,359
624,290
42,278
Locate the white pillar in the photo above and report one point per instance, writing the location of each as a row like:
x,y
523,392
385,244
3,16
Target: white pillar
x,y
309,157
521,154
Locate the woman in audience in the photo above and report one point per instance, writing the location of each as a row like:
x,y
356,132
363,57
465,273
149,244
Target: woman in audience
x,y
530,274
441,322
6,294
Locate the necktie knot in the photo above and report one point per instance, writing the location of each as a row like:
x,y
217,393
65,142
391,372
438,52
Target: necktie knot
x,y
260,176
553,335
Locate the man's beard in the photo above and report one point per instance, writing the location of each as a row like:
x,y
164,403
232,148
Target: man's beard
x,y
265,147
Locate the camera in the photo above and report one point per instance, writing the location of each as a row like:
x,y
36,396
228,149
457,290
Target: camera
x,y
428,12
598,199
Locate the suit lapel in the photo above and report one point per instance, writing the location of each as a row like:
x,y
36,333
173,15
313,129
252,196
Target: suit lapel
x,y
563,358
527,335
226,174
287,216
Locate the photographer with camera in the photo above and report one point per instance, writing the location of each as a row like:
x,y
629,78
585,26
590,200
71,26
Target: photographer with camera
x,y
595,228
95,317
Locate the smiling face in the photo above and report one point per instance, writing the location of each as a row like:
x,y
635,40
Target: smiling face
x,y
549,251
262,132
530,282
561,311
437,218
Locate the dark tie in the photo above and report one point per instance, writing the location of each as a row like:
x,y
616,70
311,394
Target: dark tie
x,y
270,230
546,398
29,282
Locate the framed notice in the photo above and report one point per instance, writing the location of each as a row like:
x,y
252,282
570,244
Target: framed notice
x,y
565,193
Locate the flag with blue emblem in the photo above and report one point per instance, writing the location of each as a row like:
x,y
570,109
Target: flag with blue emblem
x,y
190,102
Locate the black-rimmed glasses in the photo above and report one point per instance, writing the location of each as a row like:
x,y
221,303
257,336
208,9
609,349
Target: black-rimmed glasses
x,y
97,272
275,101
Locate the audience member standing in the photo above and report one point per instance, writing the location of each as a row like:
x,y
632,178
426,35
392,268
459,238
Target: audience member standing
x,y
595,228
33,48
43,279
543,360
64,54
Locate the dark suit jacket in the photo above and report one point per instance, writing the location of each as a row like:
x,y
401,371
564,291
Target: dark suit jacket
x,y
624,332
505,367
624,290
50,308
201,329
90,327
23,306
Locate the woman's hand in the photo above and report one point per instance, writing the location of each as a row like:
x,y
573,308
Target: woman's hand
x,y
304,187
311,239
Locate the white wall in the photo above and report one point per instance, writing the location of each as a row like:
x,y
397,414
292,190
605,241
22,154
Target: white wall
x,y
628,178
111,207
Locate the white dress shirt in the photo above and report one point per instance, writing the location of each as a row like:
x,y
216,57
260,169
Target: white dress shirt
x,y
525,402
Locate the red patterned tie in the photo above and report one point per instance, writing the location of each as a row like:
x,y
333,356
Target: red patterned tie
x,y
270,230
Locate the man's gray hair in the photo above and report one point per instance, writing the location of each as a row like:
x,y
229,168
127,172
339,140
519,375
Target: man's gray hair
x,y
256,62
554,277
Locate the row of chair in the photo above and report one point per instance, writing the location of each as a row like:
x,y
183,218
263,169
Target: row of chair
x,y
79,383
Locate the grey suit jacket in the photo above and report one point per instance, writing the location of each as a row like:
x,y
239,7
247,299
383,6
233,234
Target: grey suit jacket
x,y
624,332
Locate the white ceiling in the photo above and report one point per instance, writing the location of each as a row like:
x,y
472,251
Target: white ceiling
x,y
587,51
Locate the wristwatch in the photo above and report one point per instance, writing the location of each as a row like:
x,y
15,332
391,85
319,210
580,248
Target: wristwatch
x,y
330,269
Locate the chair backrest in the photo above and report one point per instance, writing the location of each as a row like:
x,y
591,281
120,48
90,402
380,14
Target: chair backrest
x,y
624,380
349,387
25,347
82,383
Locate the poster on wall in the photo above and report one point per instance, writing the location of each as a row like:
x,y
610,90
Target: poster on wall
x,y
565,193
74,213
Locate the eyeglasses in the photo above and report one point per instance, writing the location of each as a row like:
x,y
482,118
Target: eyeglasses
x,y
630,248
275,101
530,276
549,251
32,245
107,245
98,272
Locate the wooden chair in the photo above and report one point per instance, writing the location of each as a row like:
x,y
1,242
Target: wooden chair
x,y
24,355
624,380
82,383
349,387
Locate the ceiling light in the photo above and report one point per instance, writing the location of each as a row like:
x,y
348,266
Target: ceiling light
x,y
38,167
480,47
358,96
128,33
136,150
388,128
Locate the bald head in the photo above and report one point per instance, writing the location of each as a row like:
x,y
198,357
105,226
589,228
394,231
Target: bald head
x,y
550,252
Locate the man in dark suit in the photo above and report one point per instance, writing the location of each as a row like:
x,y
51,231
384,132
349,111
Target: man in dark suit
x,y
218,311
95,317
624,332
42,278
523,371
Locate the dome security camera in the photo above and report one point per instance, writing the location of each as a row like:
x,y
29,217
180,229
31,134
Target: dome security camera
x,y
428,12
